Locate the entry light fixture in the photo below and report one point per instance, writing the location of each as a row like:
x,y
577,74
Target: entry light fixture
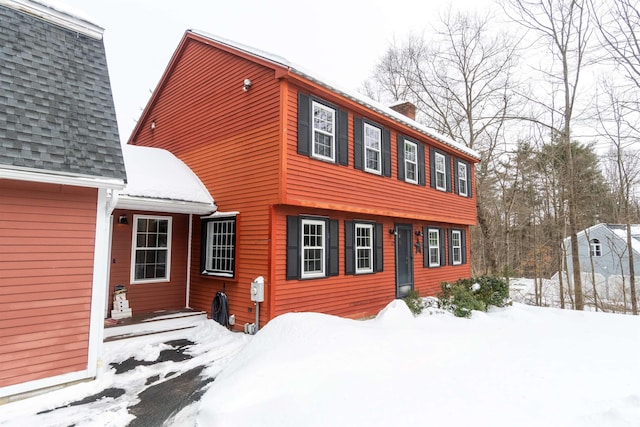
x,y
246,85
122,219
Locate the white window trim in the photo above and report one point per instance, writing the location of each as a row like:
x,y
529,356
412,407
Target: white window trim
x,y
442,172
315,104
368,248
406,162
378,151
437,246
323,272
595,248
208,256
456,249
134,247
463,177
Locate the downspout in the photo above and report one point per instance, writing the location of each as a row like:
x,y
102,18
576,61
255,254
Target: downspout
x,y
187,305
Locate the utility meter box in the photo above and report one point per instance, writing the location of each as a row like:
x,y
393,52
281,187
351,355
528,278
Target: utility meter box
x,y
257,289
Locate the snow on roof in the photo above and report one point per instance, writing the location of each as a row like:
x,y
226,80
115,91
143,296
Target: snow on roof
x,y
621,232
154,173
350,94
59,13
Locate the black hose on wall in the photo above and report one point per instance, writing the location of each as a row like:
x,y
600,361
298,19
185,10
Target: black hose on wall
x,y
220,309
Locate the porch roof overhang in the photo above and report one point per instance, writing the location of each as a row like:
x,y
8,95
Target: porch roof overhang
x,y
164,205
160,182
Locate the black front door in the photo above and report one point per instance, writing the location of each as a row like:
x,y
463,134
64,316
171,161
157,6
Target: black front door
x,y
404,259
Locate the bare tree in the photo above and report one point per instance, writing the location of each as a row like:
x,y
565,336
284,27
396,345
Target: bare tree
x,y
461,81
564,25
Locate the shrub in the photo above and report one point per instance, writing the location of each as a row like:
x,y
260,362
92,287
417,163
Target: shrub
x,y
414,302
465,295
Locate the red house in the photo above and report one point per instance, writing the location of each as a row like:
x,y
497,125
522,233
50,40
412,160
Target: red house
x,y
60,166
339,203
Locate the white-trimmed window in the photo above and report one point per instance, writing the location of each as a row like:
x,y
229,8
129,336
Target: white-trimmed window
x,y
313,248
440,171
372,149
463,183
456,247
433,241
364,248
411,162
596,248
219,247
323,131
151,249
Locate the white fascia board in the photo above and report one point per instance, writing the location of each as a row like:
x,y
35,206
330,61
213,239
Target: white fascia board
x,y
48,177
163,205
218,214
36,385
63,18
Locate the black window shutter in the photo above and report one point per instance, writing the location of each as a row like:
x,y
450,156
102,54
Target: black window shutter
x,y
293,247
386,152
357,143
332,253
469,186
432,168
425,247
401,157
343,138
203,245
447,165
378,256
443,254
421,166
349,256
304,126
450,247
463,240
456,176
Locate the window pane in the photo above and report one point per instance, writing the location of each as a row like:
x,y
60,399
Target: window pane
x,y
220,246
313,250
151,255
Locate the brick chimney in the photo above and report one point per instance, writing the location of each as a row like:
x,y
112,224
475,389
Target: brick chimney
x,y
405,108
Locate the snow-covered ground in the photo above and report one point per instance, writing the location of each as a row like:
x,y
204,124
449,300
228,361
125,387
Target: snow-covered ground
x,y
518,366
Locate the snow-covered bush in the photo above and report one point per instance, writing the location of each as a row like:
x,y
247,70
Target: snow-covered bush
x,y
466,295
414,302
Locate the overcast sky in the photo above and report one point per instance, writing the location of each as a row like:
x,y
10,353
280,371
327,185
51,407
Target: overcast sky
x,y
340,40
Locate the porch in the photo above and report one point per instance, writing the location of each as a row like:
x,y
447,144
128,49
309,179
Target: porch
x,y
157,322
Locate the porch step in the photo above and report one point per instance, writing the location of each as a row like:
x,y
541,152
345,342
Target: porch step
x,y
154,323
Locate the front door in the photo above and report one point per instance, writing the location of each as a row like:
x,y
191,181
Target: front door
x,y
404,259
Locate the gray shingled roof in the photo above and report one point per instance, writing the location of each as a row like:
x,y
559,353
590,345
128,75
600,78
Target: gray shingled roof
x,y
56,106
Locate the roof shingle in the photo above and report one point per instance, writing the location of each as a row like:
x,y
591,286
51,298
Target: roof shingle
x,y
56,106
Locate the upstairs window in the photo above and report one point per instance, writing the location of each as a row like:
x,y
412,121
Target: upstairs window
x,y
218,256
440,164
411,166
410,162
372,147
151,249
596,248
322,130
441,172
462,178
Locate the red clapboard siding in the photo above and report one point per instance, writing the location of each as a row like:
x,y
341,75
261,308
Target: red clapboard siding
x,y
47,235
230,139
316,183
353,295
150,297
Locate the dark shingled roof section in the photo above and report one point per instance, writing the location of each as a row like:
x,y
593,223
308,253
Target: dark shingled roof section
x,y
56,106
